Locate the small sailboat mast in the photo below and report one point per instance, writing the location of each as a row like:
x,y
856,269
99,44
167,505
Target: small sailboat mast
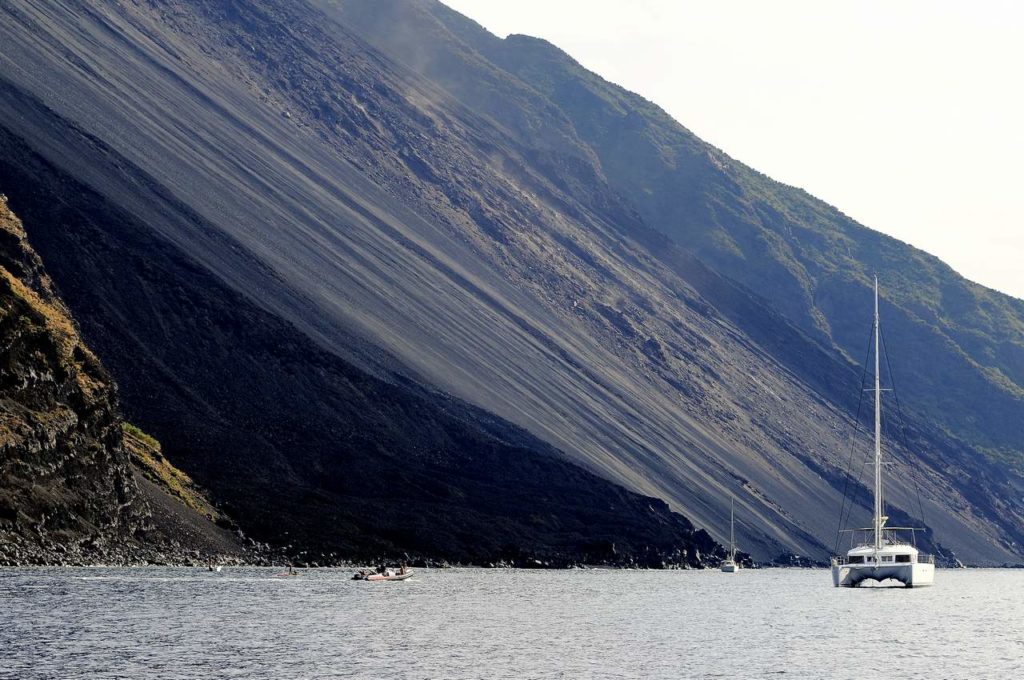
x,y
729,564
732,533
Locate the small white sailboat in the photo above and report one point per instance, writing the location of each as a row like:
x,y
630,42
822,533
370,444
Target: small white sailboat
x,y
886,555
730,565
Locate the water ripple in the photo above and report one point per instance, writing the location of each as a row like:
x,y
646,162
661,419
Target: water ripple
x,y
470,623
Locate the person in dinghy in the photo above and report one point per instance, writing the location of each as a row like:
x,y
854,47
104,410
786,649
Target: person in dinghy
x,y
383,574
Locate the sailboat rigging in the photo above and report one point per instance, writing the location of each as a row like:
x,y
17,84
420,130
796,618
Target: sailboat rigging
x,y
730,565
886,555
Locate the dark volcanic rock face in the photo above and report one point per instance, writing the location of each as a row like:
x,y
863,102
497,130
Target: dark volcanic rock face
x,y
66,483
68,492
291,247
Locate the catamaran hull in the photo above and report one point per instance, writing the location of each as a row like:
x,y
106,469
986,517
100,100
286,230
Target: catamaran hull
x,y
911,575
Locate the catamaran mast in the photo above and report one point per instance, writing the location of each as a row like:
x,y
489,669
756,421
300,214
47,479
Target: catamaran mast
x,y
878,431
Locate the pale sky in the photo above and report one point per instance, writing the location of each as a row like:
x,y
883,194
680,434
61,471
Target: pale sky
x,y
907,116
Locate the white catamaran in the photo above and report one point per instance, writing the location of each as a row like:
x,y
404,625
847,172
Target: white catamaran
x,y
730,565
885,556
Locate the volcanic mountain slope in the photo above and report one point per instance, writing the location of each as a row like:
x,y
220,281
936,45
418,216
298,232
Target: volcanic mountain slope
x,y
275,236
68,489
312,452
811,262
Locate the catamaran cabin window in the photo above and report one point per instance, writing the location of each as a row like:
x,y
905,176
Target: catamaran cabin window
x,y
887,558
903,558
856,559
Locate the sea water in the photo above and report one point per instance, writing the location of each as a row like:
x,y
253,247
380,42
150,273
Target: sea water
x,y
478,623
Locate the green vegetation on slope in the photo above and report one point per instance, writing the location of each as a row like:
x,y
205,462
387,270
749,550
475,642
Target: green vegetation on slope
x,y
149,459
